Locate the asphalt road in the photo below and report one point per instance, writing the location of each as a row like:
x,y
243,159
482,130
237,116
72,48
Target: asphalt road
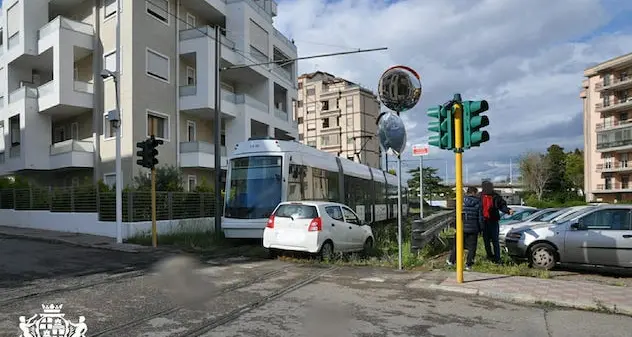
x,y
234,297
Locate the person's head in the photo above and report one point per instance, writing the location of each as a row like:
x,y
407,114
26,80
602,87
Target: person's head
x,y
487,187
472,190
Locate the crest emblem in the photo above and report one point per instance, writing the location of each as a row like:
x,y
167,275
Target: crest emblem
x,y
51,323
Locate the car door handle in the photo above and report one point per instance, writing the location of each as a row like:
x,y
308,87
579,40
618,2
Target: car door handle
x,y
333,225
349,227
627,236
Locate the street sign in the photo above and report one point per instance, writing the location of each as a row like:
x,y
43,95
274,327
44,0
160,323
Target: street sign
x,y
420,149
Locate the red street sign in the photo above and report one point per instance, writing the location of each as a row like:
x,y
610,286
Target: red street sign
x,y
420,150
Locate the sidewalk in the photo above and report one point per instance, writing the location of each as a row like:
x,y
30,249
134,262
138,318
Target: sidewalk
x,y
74,239
573,294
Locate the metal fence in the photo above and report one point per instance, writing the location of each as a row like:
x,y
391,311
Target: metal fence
x,y
136,204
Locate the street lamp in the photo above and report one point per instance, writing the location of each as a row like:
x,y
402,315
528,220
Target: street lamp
x,y
114,117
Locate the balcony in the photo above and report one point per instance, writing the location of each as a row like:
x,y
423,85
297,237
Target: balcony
x,y
285,41
283,73
612,125
200,154
614,167
24,94
201,40
614,188
283,115
614,145
615,84
71,153
61,97
617,105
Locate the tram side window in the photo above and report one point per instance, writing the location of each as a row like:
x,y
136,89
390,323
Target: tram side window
x,y
380,193
356,190
294,185
325,185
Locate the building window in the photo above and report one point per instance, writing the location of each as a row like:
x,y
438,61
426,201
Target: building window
x,y
300,120
109,179
159,9
301,137
191,183
109,8
325,123
300,85
311,126
109,61
74,131
157,65
350,140
190,76
191,21
191,132
108,130
14,129
157,125
59,134
311,143
349,104
350,123
324,105
299,103
311,92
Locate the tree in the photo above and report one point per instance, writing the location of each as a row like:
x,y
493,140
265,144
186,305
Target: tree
x,y
432,182
574,170
168,178
535,172
392,171
557,185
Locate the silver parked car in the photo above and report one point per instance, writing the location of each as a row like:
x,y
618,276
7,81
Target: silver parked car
x,y
595,235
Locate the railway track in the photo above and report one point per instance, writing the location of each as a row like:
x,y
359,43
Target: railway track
x,y
210,324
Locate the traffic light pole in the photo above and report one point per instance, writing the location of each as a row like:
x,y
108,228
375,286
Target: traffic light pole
x,y
154,230
458,156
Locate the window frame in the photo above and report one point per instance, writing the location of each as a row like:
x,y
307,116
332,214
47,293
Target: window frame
x,y
192,123
167,16
157,77
327,208
194,76
105,175
167,127
104,14
189,179
191,16
106,124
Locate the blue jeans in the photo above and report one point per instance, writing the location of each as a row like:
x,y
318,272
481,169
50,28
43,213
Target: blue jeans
x,y
491,232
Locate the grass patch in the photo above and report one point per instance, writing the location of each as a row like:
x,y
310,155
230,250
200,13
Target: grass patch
x,y
508,267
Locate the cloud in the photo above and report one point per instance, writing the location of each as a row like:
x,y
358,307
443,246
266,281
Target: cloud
x,y
526,58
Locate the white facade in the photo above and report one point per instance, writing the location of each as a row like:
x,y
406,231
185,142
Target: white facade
x,y
53,99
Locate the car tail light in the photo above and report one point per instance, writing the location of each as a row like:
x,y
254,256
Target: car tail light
x,y
270,222
316,225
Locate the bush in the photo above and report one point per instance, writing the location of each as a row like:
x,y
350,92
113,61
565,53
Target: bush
x,y
534,202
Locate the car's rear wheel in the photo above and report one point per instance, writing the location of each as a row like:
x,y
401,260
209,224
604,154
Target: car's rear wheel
x,y
327,251
273,253
542,256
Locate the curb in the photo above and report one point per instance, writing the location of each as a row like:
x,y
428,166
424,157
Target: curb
x,y
534,300
106,246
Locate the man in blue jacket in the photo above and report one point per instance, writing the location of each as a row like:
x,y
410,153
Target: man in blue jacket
x,y
472,226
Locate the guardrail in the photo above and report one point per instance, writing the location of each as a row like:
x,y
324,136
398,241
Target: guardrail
x,y
426,229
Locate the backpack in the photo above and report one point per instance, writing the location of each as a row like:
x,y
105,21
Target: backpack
x,y
488,207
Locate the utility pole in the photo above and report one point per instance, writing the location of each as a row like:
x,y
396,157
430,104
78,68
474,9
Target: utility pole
x,y
154,229
117,165
218,130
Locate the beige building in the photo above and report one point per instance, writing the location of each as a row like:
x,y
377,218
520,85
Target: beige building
x,y
54,101
338,116
607,98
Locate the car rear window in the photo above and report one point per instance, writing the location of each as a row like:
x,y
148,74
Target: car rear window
x,y
297,211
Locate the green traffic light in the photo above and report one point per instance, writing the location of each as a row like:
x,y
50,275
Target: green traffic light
x,y
472,123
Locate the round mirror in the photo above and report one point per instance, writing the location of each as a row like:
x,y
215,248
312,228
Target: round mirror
x,y
399,88
392,132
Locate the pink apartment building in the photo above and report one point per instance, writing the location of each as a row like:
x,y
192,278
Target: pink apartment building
x,y
607,99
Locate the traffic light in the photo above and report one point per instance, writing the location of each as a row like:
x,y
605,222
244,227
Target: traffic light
x,y
473,123
441,123
148,152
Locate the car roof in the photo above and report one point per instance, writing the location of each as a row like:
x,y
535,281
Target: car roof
x,y
312,203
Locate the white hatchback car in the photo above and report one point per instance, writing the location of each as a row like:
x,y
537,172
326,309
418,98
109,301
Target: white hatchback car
x,y
318,227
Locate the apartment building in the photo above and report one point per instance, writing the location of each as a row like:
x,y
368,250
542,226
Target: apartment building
x,y
338,116
607,98
54,102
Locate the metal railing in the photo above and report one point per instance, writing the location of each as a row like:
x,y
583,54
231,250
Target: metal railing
x,y
283,115
613,166
610,125
425,230
89,199
615,186
618,143
200,146
613,104
71,145
615,81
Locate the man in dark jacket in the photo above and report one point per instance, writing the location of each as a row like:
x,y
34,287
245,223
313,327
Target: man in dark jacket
x,y
472,225
491,206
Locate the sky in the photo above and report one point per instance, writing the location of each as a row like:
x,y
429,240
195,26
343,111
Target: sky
x,y
526,58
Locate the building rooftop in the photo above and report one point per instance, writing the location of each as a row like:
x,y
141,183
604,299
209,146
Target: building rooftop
x,y
619,61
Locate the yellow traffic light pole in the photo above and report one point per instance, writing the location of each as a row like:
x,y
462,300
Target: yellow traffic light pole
x,y
458,156
154,234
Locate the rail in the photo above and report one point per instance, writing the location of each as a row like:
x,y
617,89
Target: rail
x,y
426,229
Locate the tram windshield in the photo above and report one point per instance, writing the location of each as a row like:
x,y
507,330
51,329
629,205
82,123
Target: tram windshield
x,y
255,187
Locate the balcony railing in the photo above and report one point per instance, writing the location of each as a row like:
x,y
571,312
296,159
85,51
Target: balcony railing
x,y
284,39
61,22
14,151
188,90
204,31
251,101
614,187
283,73
265,15
281,114
610,125
22,93
257,55
46,88
599,107
614,82
200,146
84,87
14,40
617,143
614,166
71,145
